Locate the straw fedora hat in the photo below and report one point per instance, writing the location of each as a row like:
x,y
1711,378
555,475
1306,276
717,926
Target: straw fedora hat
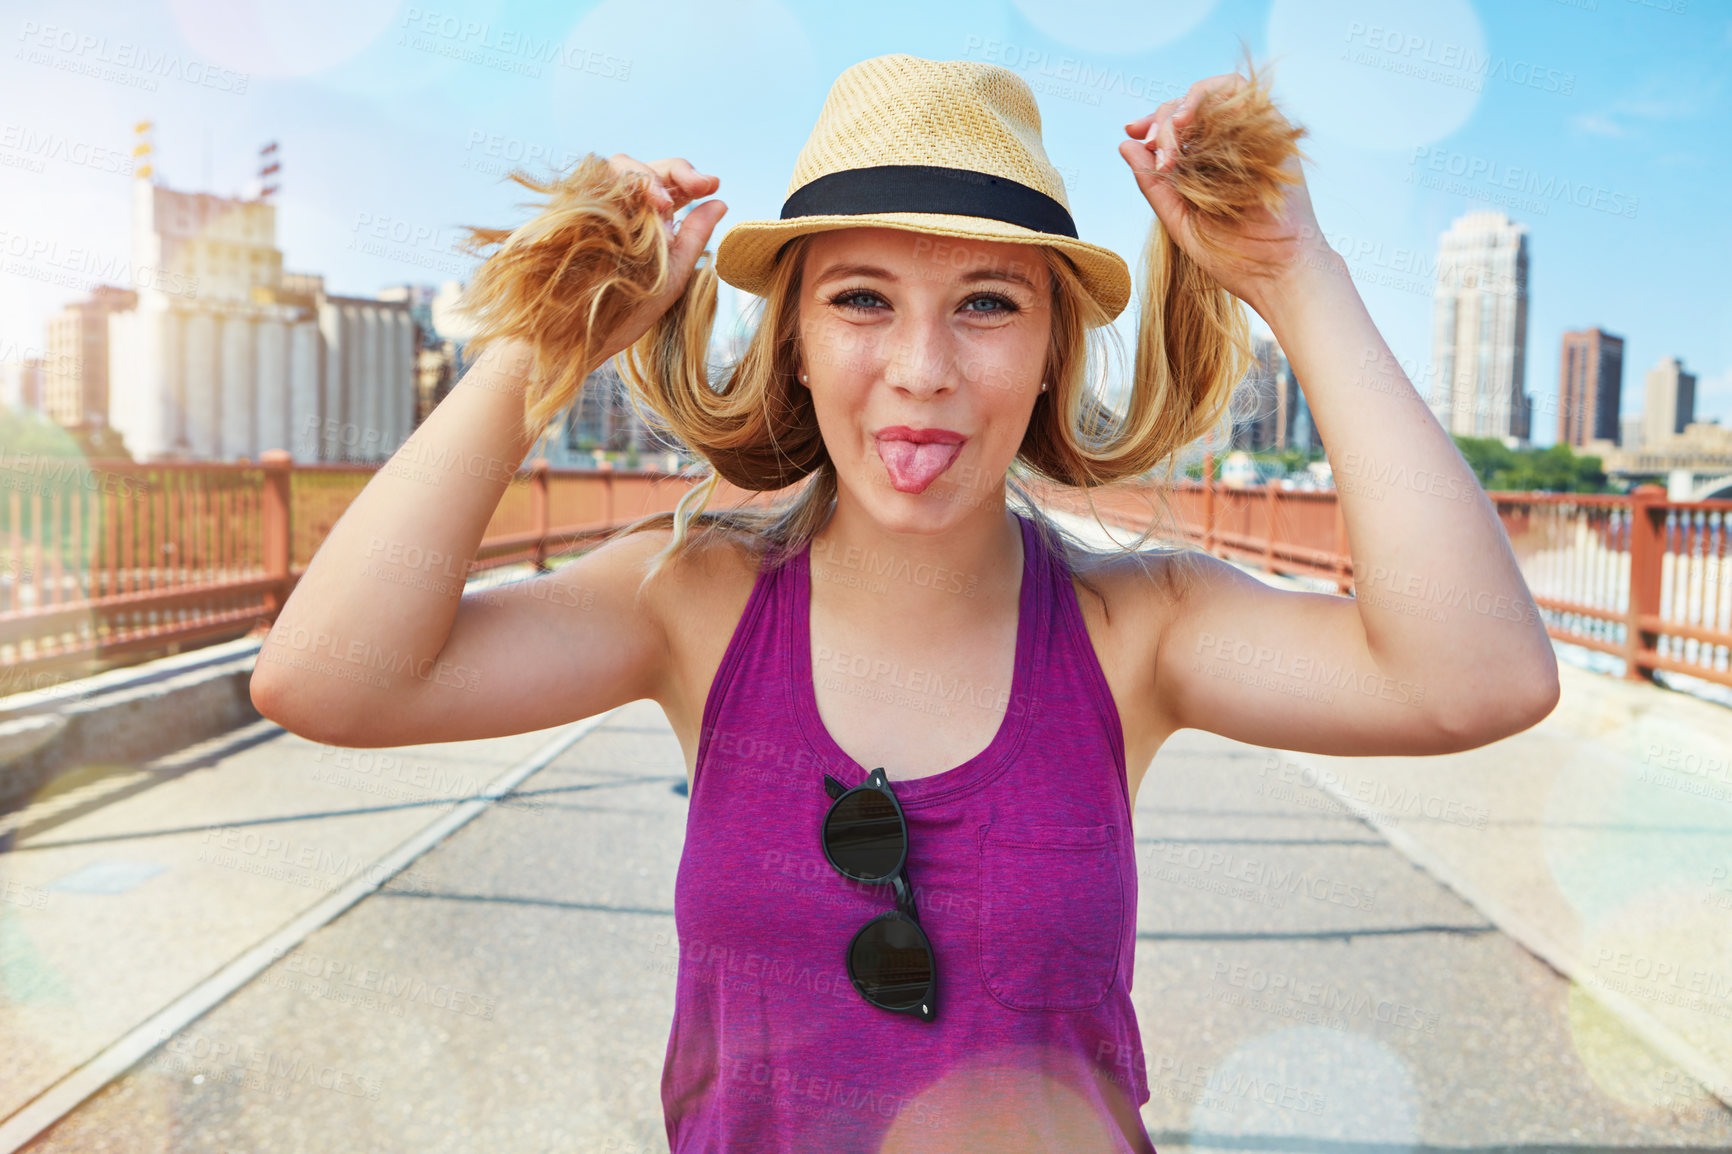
x,y
947,147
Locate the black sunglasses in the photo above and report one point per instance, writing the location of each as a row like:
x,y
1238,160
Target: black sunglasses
x,y
865,837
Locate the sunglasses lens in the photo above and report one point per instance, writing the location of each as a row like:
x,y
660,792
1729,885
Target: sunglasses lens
x,y
864,835
891,962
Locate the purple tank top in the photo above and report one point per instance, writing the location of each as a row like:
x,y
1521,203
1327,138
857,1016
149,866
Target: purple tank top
x,y
1023,869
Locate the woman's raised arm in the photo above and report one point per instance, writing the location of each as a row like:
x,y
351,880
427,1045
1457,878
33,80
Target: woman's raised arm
x,y
1442,649
377,645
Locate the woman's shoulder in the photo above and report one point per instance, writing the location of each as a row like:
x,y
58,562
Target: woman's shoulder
x,y
703,586
1121,579
709,558
1127,600
699,597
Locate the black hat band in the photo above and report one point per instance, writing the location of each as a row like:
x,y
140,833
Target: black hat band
x,y
929,188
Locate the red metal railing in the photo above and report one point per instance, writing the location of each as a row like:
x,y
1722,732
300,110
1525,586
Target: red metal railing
x,y
107,562
1279,530
102,562
1636,576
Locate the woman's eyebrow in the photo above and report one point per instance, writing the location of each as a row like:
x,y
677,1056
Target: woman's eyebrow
x,y
982,274
835,272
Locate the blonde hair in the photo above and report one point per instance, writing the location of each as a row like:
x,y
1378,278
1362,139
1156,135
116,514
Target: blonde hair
x,y
596,251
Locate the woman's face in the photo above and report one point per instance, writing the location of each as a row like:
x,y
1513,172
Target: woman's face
x,y
924,357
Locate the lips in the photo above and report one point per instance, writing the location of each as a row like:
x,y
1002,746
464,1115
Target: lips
x,y
915,458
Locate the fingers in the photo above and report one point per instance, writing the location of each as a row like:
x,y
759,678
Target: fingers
x,y
1160,129
1153,183
1223,84
693,235
682,181
1187,103
1149,130
659,195
673,182
1141,126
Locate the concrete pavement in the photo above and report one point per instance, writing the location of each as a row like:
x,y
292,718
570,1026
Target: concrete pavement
x,y
1300,985
1300,982
1600,840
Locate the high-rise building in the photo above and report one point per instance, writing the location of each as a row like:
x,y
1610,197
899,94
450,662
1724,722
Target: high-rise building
x,y
1670,403
75,392
226,355
1269,409
1256,404
1590,386
1277,415
1630,431
1302,432
438,358
436,372
602,419
1479,328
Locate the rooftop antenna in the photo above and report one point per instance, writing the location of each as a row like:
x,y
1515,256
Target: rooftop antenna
x,y
269,167
141,149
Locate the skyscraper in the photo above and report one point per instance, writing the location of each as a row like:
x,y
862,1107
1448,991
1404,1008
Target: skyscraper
x,y
1670,403
1479,328
1590,386
1630,431
1269,409
1256,402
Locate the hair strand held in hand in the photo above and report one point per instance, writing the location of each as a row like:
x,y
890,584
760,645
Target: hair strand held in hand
x,y
592,254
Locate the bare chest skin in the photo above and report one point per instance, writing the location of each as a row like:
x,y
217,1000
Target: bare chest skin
x,y
918,706
941,700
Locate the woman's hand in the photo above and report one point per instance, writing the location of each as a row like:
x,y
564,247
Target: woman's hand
x,y
673,183
1259,252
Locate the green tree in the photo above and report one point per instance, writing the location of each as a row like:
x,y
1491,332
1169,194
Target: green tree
x,y
27,433
1554,469
102,444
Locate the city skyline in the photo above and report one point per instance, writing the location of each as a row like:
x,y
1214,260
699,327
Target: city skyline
x,y
388,143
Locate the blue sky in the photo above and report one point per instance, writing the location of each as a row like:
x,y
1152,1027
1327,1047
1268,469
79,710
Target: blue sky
x,y
1607,121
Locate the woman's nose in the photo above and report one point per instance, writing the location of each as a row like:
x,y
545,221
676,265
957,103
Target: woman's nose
x,y
923,360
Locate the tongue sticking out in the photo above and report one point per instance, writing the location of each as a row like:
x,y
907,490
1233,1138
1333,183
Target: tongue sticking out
x,y
912,467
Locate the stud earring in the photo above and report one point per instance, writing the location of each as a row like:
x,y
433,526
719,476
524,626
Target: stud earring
x,y
1043,386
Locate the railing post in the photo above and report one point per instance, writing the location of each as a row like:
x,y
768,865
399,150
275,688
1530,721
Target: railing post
x,y
607,491
1271,495
538,515
1342,580
1647,552
274,523
1208,500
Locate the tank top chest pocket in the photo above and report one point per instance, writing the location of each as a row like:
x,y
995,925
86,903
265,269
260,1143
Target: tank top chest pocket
x,y
1052,911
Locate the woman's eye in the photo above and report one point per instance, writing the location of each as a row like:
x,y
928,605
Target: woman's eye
x,y
848,300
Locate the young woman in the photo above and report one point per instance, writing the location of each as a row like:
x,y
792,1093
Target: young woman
x,y
916,718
